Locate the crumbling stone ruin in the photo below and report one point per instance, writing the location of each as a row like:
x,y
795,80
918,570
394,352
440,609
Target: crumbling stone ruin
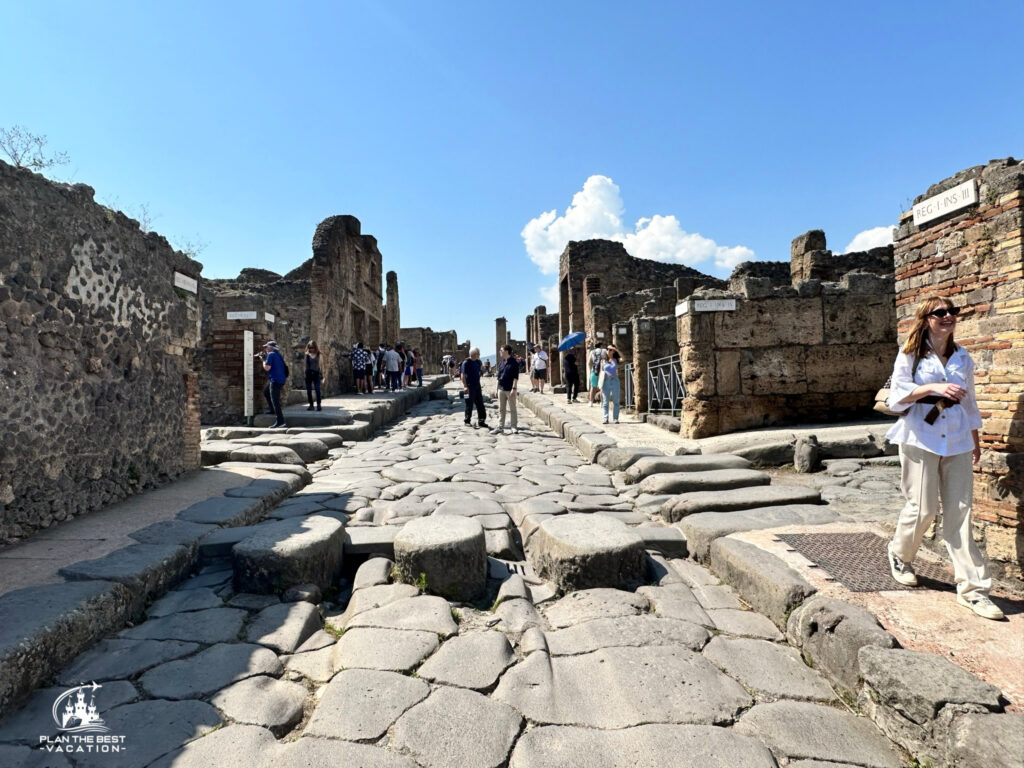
x,y
798,346
392,310
972,253
99,325
433,345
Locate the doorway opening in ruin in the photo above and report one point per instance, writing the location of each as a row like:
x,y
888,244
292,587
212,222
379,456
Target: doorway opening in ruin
x,y
373,338
358,326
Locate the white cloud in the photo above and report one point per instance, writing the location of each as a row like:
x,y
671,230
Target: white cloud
x,y
875,237
596,211
550,295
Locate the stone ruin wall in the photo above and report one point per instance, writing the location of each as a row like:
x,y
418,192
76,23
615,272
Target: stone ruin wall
x,y
813,351
101,391
542,329
606,317
974,256
433,345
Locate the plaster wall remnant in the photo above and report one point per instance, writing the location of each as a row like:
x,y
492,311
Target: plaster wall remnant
x,y
99,323
392,309
807,351
973,255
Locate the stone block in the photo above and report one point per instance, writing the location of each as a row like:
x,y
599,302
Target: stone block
x,y
727,372
773,370
646,466
616,459
830,634
265,454
450,550
224,511
148,570
578,551
371,540
765,582
289,552
669,541
704,527
686,504
993,741
771,323
711,480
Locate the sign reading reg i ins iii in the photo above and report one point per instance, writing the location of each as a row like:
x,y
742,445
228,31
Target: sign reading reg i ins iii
x,y
951,200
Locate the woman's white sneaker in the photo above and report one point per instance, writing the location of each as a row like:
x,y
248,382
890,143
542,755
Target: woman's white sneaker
x,y
982,606
902,572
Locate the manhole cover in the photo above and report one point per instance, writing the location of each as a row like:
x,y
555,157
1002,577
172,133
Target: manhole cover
x,y
858,561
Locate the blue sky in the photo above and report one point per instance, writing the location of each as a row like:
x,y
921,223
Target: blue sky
x,y
447,127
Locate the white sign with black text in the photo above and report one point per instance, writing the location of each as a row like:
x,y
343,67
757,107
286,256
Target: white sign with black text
x,y
242,315
186,283
951,200
706,305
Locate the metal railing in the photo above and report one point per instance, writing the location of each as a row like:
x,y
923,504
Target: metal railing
x,y
628,399
665,390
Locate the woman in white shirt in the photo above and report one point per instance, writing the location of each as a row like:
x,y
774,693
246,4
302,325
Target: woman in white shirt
x,y
932,389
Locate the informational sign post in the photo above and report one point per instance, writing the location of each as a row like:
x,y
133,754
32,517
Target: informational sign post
x,y
247,363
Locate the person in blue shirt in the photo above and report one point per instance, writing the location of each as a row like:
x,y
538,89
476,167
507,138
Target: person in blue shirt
x,y
273,364
471,391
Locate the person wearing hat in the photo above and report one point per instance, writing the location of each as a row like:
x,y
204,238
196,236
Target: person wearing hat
x,y
273,364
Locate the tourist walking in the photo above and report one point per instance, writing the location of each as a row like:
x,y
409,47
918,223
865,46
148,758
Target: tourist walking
x,y
393,365
594,361
539,369
471,391
932,389
417,366
609,379
359,358
571,372
508,383
313,374
277,375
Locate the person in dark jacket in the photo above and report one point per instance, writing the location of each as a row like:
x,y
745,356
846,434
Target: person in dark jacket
x,y
470,374
572,376
273,364
313,374
508,382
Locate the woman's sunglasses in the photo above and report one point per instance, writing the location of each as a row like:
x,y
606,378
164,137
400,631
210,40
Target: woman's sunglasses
x,y
940,313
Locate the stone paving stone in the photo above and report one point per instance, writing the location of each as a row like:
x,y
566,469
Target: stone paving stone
x,y
796,729
517,615
643,746
115,658
686,504
371,540
264,701
223,511
23,757
627,631
209,671
993,741
733,621
474,660
771,671
704,527
621,687
180,602
711,480
212,576
214,625
152,729
717,596
309,751
652,465
289,552
368,598
392,650
588,604
458,727
426,612
172,532
234,746
316,665
361,704
265,454
219,543
623,458
316,641
146,569
35,717
374,572
448,551
284,627
252,602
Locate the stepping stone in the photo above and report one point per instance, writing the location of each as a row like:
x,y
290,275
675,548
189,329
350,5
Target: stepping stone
x,y
223,511
711,480
576,551
264,701
652,465
589,604
361,704
217,451
329,439
214,625
182,601
733,621
799,730
704,527
218,544
146,569
307,450
768,584
740,498
622,687
117,659
771,671
644,746
371,540
426,613
390,650
458,727
172,532
265,488
628,631
284,627
152,728
290,552
474,661
208,671
617,459
667,540
265,454
450,551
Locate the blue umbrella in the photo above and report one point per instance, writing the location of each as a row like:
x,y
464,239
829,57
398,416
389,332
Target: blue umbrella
x,y
571,341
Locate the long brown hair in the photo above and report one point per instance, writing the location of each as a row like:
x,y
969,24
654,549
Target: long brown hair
x,y
917,342
312,348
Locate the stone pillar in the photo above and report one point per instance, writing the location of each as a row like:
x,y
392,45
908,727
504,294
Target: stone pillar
x,y
500,335
800,251
696,334
392,315
643,342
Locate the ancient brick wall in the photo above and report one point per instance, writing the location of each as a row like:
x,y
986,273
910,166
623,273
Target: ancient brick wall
x,y
813,351
99,376
973,255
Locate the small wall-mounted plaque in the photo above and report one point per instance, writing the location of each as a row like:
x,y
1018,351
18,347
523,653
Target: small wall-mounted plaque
x,y
186,283
242,315
623,330
600,334
714,305
951,200
268,317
